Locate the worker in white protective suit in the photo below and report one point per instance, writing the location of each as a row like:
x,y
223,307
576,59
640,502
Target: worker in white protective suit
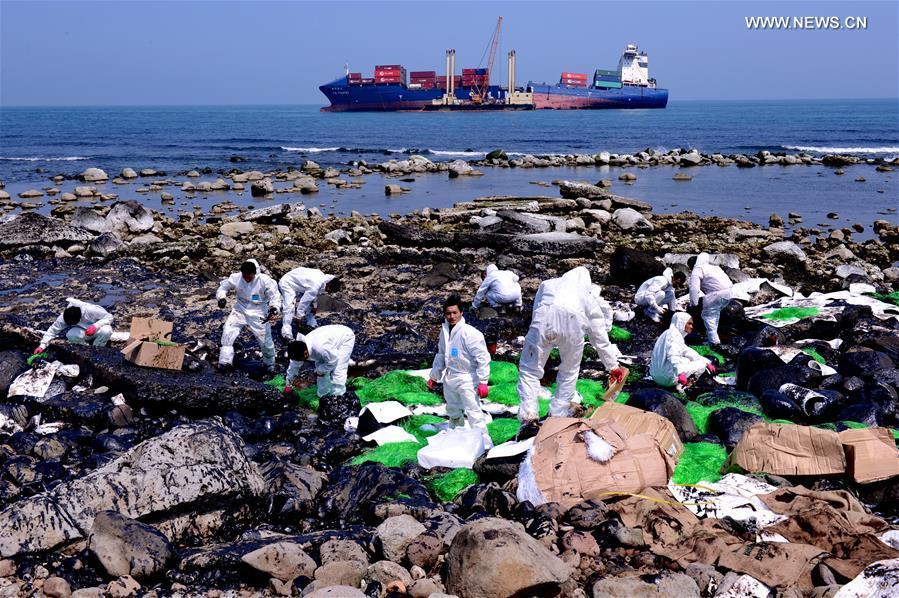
x,y
500,287
462,363
329,348
258,303
714,286
299,289
673,363
657,294
565,310
83,324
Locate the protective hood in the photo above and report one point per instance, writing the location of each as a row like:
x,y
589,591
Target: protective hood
x,y
678,322
669,273
579,277
491,269
595,291
259,268
702,259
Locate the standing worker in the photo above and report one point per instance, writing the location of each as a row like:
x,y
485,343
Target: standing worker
x,y
500,287
715,287
83,324
307,284
673,363
657,294
329,348
462,363
565,310
258,302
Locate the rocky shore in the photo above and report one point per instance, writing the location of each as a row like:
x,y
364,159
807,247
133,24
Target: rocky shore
x,y
198,483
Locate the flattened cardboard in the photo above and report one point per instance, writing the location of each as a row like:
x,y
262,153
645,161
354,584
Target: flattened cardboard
x,y
871,454
787,449
565,474
144,350
637,421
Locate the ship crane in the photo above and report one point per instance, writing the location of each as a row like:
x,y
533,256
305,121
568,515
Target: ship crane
x,y
478,95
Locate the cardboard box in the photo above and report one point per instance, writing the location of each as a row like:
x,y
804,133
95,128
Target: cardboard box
x,y
564,472
637,421
149,345
871,454
787,449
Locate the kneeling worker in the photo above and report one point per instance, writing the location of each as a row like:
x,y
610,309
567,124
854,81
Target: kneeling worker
x,y
657,293
463,364
500,287
673,363
329,348
83,324
258,302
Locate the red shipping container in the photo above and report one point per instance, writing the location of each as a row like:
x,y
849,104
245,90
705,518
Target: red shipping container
x,y
388,66
423,74
574,76
389,72
368,81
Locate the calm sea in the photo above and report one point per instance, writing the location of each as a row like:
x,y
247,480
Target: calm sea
x,y
175,139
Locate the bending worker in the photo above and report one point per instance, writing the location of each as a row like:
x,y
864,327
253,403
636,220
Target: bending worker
x,y
500,287
258,302
462,363
657,294
565,310
329,348
673,363
83,324
715,287
307,284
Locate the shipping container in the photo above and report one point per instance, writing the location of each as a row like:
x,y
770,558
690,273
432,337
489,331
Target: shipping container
x,y
368,80
423,74
607,84
354,75
388,67
574,76
474,71
389,72
605,72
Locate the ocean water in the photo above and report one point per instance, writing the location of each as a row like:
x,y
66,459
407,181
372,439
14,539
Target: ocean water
x,y
36,143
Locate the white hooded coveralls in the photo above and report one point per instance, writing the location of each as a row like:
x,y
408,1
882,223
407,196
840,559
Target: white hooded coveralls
x,y
656,292
462,363
253,300
500,287
565,309
671,356
90,315
329,349
715,287
305,283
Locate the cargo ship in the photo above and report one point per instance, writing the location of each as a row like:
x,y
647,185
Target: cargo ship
x,y
392,88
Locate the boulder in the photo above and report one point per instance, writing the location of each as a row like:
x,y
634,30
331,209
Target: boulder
x,y
692,158
236,229
129,216
12,363
89,219
630,219
127,547
574,190
129,173
497,154
93,175
292,488
495,558
786,252
523,223
85,191
752,360
630,266
336,592
279,213
729,424
342,550
626,202
261,188
631,586
555,243
188,468
387,573
353,491
458,168
395,535
35,229
106,244
31,194
340,573
282,560
668,406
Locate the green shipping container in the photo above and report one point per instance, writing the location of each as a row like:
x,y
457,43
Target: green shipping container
x,y
608,84
607,73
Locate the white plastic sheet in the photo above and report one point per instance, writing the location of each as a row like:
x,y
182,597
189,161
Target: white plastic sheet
x,y
746,586
826,305
510,449
386,412
878,580
452,448
8,426
36,381
388,435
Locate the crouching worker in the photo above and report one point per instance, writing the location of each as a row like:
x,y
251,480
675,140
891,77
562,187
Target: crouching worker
x,y
300,288
82,323
258,303
329,348
673,363
657,294
500,287
462,363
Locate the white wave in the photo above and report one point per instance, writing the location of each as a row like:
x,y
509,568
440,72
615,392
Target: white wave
x,y
843,150
456,153
309,150
402,150
39,159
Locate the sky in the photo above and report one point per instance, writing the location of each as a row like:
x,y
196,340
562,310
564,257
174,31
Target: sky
x,y
218,52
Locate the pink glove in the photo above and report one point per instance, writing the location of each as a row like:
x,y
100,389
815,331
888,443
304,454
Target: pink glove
x,y
430,384
91,330
288,389
682,379
711,369
39,350
616,375
482,390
